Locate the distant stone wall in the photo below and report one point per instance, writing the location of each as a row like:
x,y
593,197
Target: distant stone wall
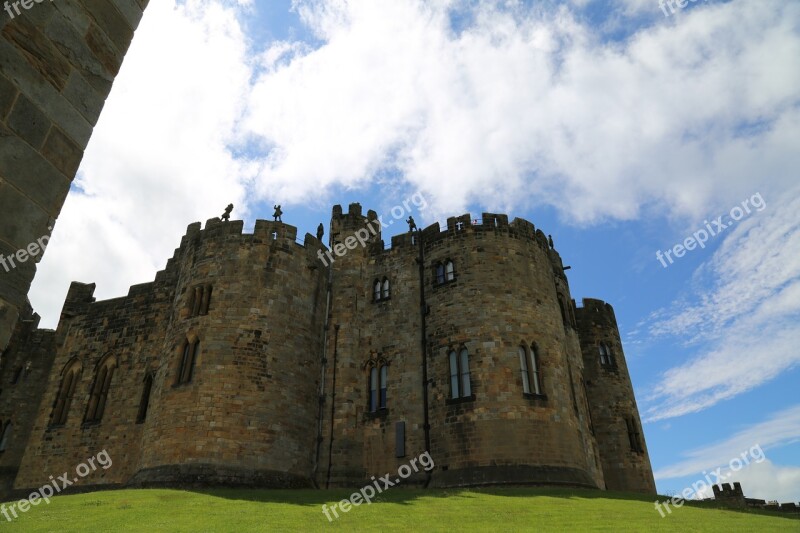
x,y
59,60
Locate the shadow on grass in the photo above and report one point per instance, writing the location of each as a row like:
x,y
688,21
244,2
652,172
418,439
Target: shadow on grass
x,y
407,496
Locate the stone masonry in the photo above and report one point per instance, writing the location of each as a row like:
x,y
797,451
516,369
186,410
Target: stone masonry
x,y
253,360
58,60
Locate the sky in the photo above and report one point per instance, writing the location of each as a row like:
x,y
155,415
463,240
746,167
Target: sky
x,y
621,129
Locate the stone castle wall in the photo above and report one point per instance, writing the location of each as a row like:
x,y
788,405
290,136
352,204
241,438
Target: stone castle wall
x,y
284,338
24,370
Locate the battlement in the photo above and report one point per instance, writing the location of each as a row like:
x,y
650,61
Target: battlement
x,y
597,312
731,491
344,224
264,230
80,295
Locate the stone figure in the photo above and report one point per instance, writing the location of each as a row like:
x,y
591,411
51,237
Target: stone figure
x,y
320,231
411,224
277,214
226,216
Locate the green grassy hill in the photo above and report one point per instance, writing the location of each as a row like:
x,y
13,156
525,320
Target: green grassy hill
x,y
495,509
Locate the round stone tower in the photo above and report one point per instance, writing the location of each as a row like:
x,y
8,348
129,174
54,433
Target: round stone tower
x,y
507,402
234,393
615,416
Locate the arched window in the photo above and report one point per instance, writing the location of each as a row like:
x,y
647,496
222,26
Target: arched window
x,y
373,389
385,294
200,300
5,438
449,271
378,379
188,358
66,391
460,386
376,291
536,379
99,395
523,366
529,367
383,379
606,357
439,273
634,437
144,403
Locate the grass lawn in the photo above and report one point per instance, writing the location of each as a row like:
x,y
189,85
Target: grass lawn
x,y
495,509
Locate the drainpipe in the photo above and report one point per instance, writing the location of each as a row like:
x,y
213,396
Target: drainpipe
x,y
423,309
322,375
333,402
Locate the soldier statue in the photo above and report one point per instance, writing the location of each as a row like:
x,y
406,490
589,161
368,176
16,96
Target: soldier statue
x,y
277,214
226,216
320,231
411,224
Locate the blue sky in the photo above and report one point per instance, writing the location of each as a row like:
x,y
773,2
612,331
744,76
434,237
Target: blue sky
x,y
617,129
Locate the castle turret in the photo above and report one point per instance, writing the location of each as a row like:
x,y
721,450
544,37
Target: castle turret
x,y
503,362
615,416
235,392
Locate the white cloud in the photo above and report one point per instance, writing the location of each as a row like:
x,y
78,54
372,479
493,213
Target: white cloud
x,y
760,477
520,107
744,321
158,158
528,106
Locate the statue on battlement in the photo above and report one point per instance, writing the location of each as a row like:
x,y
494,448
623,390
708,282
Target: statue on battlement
x,y
226,216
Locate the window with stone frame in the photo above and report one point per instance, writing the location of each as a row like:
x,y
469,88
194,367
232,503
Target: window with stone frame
x,y
99,394
634,435
529,368
144,402
378,375
606,356
5,435
460,379
200,300
66,390
188,360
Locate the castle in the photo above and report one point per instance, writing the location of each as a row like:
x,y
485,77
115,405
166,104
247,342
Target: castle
x,y
249,361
